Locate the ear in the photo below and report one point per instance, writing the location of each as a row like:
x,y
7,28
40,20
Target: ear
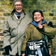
x,y
42,17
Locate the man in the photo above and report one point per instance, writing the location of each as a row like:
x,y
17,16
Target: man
x,y
14,29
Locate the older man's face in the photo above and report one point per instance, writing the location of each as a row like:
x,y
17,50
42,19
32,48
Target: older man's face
x,y
18,6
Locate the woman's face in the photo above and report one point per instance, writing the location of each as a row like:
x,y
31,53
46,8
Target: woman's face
x,y
37,17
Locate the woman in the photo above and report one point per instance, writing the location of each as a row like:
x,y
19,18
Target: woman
x,y
36,28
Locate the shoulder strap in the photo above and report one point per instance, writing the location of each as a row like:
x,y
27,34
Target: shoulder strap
x,y
46,40
43,37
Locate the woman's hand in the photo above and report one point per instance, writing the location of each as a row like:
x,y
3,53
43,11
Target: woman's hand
x,y
40,26
23,54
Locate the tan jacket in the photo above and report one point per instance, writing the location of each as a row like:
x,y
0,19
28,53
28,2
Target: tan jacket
x,y
33,33
13,32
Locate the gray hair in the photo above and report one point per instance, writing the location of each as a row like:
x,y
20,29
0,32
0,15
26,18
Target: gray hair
x,y
17,1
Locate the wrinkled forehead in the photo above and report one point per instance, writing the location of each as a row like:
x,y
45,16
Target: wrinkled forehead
x,y
15,2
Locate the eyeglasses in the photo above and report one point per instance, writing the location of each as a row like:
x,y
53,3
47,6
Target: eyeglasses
x,y
18,5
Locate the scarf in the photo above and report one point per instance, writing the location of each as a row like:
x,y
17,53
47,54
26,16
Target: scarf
x,y
18,14
35,24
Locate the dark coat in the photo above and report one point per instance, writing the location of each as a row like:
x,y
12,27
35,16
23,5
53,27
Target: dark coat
x,y
34,33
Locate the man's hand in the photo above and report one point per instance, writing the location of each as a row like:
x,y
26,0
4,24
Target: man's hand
x,y
7,48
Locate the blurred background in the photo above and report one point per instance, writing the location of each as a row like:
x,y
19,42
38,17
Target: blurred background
x,y
47,6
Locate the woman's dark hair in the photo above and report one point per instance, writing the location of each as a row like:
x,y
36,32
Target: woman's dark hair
x,y
38,11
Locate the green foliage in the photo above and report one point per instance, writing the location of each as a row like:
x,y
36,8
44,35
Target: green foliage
x,y
30,5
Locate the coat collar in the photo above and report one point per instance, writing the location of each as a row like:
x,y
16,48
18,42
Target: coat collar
x,y
15,19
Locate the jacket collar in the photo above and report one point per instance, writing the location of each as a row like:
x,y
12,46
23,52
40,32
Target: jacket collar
x,y
15,19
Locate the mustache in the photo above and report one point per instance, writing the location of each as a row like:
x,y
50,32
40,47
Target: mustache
x,y
19,8
36,18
